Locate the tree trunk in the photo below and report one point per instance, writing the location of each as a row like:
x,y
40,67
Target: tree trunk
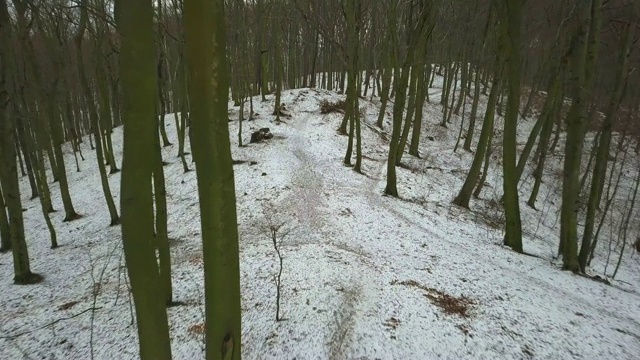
x,y
93,117
485,168
446,92
384,95
474,111
417,72
5,234
184,109
531,141
54,121
463,84
585,42
464,196
8,166
139,88
401,92
602,157
511,19
417,123
278,67
543,148
28,159
105,115
162,236
205,41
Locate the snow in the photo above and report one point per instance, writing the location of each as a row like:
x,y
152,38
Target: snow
x,y
359,267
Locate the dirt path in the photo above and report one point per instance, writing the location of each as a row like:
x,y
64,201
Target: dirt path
x,y
307,182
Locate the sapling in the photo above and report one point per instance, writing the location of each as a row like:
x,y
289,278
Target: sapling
x,y
277,231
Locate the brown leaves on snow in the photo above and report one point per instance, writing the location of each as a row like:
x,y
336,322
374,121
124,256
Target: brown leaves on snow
x,y
450,305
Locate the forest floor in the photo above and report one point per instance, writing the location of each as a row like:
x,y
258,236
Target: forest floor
x,y
365,276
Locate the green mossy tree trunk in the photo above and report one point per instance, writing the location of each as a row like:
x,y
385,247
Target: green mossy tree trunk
x,y
584,49
209,89
139,87
8,166
511,19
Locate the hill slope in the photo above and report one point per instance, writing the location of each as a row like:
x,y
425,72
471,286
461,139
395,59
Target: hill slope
x,y
365,276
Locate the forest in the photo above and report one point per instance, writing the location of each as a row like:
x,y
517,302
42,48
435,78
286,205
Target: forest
x,y
339,179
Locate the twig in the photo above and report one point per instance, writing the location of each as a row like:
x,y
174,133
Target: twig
x,y
126,281
115,303
10,337
200,307
96,290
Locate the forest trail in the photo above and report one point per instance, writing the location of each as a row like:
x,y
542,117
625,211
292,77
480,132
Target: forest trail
x,y
357,226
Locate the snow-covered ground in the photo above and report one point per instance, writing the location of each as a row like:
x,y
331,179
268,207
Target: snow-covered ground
x,y
365,276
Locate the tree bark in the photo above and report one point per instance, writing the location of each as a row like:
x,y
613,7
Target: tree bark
x,y
8,166
139,87
206,56
511,19
602,157
5,234
474,111
464,196
583,55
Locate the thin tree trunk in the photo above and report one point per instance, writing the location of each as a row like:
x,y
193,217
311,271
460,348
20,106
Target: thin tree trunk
x,y
602,157
417,123
93,116
474,111
417,72
464,196
398,108
162,236
5,234
105,115
463,84
543,146
28,159
485,169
